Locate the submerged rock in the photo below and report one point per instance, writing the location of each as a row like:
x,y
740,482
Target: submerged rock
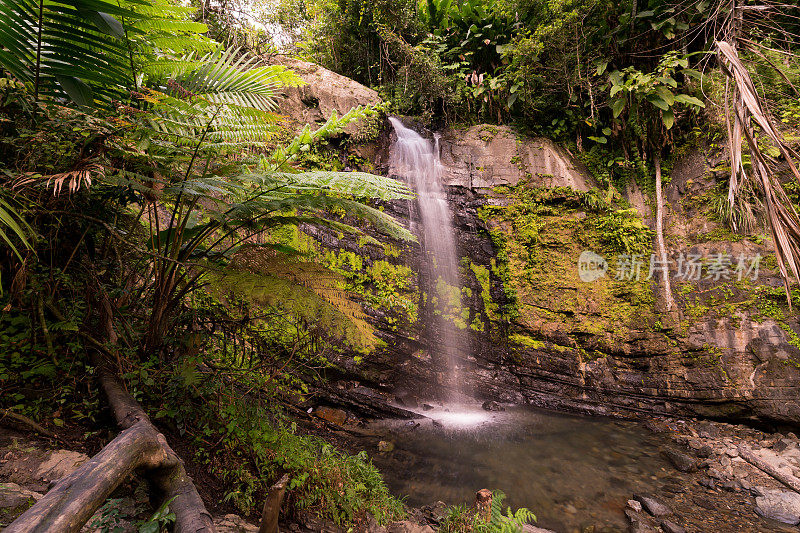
x,y
490,405
780,505
385,446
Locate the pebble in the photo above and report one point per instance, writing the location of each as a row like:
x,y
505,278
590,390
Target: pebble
x,y
635,505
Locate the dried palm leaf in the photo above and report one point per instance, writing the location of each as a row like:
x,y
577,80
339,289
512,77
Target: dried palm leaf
x,y
748,108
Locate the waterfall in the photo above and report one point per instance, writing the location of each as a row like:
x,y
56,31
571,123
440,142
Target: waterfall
x,y
416,159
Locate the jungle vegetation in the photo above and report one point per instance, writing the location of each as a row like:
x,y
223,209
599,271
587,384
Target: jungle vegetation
x,y
152,203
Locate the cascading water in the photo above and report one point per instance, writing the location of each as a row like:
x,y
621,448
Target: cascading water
x,y
416,159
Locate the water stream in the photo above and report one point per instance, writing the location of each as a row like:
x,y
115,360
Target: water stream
x,y
416,160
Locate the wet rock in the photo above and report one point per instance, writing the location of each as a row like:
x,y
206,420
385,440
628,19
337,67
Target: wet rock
x,y
707,482
426,407
635,505
681,461
731,485
705,503
780,505
329,414
231,523
640,522
671,527
652,506
705,451
385,446
407,526
12,496
490,405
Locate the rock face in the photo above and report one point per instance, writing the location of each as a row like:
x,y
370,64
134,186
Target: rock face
x,y
486,156
539,334
325,92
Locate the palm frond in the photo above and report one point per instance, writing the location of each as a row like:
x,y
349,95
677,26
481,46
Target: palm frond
x,y
748,108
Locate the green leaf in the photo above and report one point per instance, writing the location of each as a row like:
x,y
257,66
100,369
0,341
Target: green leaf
x,y
689,100
657,101
665,94
617,106
80,92
107,24
668,117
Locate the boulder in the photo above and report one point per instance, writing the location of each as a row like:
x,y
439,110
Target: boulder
x,y
35,468
780,505
325,92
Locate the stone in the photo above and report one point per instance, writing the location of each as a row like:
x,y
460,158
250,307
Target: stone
x,y
639,522
231,523
490,405
707,482
652,506
705,451
406,526
329,414
528,528
780,505
671,527
635,505
325,92
12,496
426,407
731,485
681,461
385,446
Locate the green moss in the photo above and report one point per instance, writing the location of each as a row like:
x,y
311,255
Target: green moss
x,y
487,133
525,340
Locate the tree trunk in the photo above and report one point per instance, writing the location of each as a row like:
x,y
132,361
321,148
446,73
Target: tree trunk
x,y
660,248
75,498
174,482
67,506
272,507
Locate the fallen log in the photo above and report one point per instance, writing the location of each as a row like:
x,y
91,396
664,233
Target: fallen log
x,y
790,481
140,446
173,482
74,499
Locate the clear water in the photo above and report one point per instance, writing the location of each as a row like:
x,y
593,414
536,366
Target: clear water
x,y
570,471
416,160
